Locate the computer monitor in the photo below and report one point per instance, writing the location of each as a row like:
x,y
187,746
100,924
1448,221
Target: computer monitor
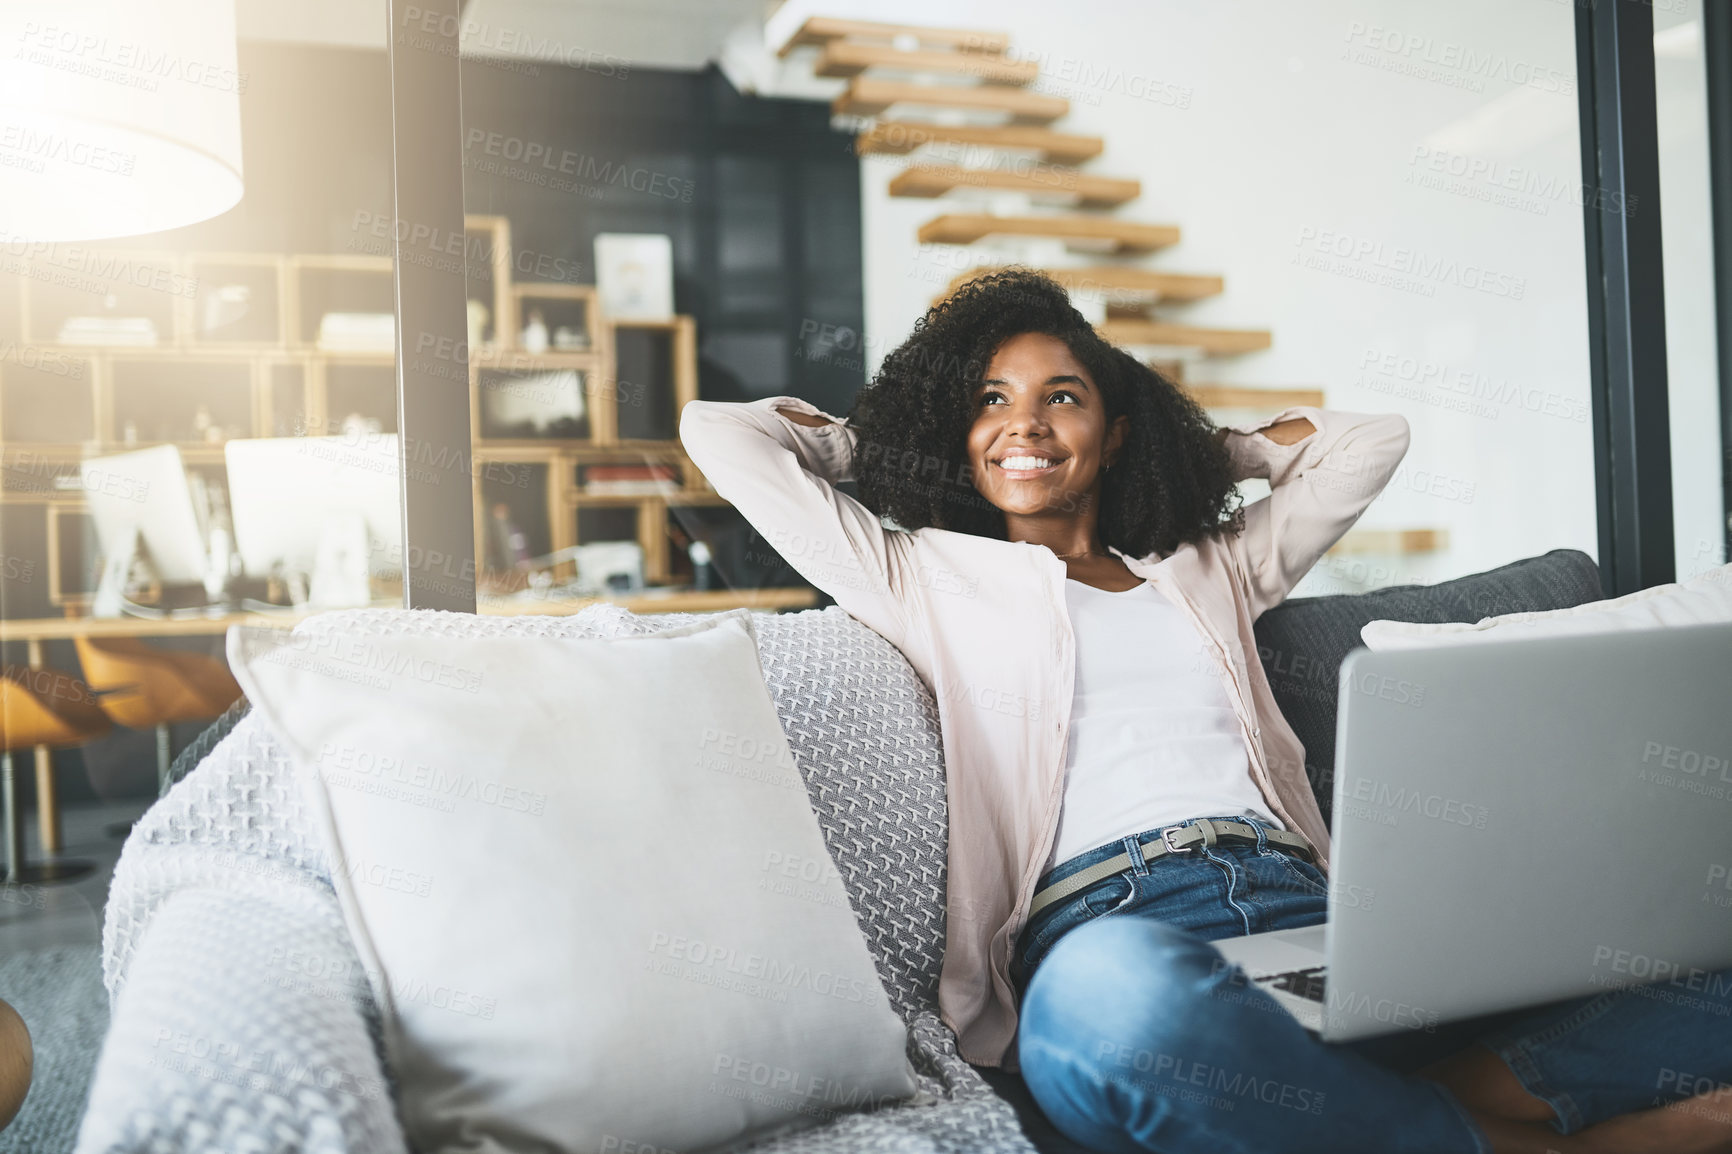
x,y
144,497
289,494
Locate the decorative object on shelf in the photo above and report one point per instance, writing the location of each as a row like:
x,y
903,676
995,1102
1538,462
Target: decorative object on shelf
x,y
703,566
358,333
569,340
609,567
534,405
129,434
634,272
225,305
534,335
479,314
631,480
123,158
507,544
131,331
354,426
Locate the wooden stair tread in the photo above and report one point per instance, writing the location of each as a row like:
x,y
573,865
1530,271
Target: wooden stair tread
x,y
821,30
1252,397
929,180
869,96
1146,284
899,137
849,58
1391,541
1152,332
1109,233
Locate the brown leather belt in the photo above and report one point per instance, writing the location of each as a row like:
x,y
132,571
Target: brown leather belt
x,y
1174,839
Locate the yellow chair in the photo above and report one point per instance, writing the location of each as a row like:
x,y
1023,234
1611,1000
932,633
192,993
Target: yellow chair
x,y
40,707
142,687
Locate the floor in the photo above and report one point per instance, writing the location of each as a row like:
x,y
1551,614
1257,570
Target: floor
x,y
69,913
50,939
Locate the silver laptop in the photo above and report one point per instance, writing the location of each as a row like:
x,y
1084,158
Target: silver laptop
x,y
1517,822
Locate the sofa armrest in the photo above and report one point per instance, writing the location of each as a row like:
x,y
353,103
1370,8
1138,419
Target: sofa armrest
x,y
244,1024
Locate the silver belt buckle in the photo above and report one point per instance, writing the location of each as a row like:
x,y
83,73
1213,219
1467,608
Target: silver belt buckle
x,y
1169,833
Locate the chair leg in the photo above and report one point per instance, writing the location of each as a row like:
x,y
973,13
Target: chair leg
x,y
164,766
164,757
14,819
18,873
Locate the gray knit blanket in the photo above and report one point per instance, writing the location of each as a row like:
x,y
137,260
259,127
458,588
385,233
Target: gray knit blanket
x,y
241,1018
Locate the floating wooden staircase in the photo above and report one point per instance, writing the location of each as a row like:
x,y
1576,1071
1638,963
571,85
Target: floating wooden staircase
x,y
1252,397
1040,181
1391,542
1100,233
900,137
848,58
1164,334
822,30
968,75
868,96
1122,283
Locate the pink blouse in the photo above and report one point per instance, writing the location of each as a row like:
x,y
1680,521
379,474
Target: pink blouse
x,y
985,624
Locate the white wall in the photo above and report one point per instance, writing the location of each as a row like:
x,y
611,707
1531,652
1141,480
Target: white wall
x,y
1278,135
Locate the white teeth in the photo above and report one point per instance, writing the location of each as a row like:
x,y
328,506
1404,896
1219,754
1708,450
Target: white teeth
x,y
1015,463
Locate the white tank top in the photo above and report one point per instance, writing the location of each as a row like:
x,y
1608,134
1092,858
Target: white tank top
x,y
1153,740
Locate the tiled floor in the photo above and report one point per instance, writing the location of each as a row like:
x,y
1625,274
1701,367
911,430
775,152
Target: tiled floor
x,y
35,917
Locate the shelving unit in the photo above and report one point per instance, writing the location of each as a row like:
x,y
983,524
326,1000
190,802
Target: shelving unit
x,y
266,374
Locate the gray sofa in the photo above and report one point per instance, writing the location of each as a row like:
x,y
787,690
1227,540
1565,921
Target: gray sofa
x,y
241,1020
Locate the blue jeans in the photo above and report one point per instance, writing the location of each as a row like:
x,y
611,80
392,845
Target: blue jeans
x,y
1137,1035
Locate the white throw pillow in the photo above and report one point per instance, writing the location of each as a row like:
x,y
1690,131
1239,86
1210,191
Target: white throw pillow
x,y
586,883
1703,600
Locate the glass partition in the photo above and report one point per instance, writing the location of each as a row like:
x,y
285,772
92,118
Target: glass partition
x,y
1370,205
641,233
197,425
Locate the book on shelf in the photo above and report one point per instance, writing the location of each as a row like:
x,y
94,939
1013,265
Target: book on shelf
x,y
630,480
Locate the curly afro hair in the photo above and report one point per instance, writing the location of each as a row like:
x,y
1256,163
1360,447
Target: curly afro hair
x,y
1170,484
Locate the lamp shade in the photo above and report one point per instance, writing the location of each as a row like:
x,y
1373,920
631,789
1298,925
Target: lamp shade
x,y
117,117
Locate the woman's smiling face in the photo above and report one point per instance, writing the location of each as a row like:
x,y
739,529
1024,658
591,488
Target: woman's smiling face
x,y
1040,434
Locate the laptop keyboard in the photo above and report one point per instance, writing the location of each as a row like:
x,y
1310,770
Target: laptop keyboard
x,y
1307,983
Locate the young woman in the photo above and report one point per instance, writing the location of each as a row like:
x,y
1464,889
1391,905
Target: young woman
x,y
1068,569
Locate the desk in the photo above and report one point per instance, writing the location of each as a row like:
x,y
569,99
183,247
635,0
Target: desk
x,y
34,631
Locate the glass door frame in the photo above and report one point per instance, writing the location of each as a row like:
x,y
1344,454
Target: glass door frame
x,y
433,416
1717,57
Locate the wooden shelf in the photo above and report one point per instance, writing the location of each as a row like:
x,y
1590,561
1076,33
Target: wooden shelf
x,y
821,30
290,386
1104,232
1252,397
582,297
849,58
1047,181
1166,335
1121,282
869,96
519,361
900,137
